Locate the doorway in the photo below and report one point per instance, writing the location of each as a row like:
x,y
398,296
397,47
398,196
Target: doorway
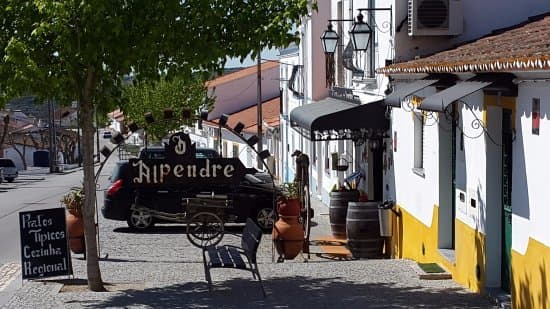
x,y
447,171
507,140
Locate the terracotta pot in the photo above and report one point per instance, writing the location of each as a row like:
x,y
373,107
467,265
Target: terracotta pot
x,y
288,236
289,207
75,228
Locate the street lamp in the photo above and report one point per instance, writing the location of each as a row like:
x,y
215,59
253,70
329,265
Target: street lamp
x,y
329,39
360,34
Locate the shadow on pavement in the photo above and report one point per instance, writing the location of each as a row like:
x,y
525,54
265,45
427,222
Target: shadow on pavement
x,y
291,292
172,229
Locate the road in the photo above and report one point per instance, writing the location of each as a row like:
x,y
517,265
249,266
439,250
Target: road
x,y
32,191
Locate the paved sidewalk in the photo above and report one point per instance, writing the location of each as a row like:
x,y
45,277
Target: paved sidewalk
x,y
161,269
35,170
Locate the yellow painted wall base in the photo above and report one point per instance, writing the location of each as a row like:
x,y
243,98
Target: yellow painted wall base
x,y
531,277
414,240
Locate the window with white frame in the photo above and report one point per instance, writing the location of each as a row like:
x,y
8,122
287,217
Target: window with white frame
x,y
326,156
235,150
418,142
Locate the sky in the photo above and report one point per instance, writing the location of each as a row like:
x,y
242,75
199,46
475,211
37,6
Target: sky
x,y
271,54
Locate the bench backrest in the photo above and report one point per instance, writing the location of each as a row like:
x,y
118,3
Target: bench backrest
x,y
250,241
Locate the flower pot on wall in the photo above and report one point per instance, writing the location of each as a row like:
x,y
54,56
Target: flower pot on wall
x,y
75,228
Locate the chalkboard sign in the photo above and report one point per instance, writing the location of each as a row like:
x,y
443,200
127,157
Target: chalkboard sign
x,y
44,250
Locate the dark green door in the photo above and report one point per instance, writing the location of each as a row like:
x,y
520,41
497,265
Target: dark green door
x,y
453,173
507,139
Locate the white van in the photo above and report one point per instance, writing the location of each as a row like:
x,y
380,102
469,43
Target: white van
x,y
9,169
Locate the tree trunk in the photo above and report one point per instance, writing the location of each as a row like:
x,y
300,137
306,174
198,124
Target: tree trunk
x,y
21,154
6,122
95,283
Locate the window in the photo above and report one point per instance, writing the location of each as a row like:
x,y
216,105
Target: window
x,y
419,143
235,150
224,149
296,82
535,126
327,158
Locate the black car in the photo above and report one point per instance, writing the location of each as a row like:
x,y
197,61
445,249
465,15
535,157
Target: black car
x,y
157,152
252,198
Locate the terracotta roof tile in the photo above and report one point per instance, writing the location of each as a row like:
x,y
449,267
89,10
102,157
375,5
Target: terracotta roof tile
x,y
520,48
240,74
248,116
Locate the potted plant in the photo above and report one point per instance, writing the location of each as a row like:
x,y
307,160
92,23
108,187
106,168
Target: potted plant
x,y
288,232
74,201
289,202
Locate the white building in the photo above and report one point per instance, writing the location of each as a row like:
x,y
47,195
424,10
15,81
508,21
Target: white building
x,y
236,96
450,195
472,144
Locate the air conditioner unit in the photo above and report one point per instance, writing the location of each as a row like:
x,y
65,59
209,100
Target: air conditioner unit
x,y
435,17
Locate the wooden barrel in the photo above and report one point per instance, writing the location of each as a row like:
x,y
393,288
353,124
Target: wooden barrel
x,y
338,208
363,230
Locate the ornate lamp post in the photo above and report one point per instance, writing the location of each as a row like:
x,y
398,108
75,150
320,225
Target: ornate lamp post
x,y
329,39
360,34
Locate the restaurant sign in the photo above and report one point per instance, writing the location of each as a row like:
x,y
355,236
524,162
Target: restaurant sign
x,y
181,166
44,250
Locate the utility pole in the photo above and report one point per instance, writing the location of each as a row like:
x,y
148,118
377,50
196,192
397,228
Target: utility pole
x,y
97,132
259,108
78,133
51,133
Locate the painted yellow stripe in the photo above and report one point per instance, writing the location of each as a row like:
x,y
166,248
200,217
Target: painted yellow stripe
x,y
414,240
531,276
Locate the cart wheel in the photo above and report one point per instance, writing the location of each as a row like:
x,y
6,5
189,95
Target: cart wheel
x,y
306,212
205,229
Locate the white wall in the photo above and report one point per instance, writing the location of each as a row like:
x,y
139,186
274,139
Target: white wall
x,y
10,153
531,167
418,194
239,94
290,101
471,163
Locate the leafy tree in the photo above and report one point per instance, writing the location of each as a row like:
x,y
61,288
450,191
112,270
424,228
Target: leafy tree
x,y
176,94
72,49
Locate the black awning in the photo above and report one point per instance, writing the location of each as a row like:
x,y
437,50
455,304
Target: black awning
x,y
405,89
333,119
439,101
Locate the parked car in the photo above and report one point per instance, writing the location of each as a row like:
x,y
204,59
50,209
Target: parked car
x,y
107,134
252,198
9,169
1,175
157,152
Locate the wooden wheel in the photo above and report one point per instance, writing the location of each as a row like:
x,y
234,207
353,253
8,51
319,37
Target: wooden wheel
x,y
205,229
306,211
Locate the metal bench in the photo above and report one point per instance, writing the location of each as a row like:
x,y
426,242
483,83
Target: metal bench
x,y
228,256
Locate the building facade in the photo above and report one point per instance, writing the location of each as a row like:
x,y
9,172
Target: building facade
x,y
456,158
471,143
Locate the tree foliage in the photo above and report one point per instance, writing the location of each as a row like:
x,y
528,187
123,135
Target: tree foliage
x,y
73,49
176,94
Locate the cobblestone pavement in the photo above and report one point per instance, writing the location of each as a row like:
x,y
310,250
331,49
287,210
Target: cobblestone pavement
x,y
161,269
8,273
